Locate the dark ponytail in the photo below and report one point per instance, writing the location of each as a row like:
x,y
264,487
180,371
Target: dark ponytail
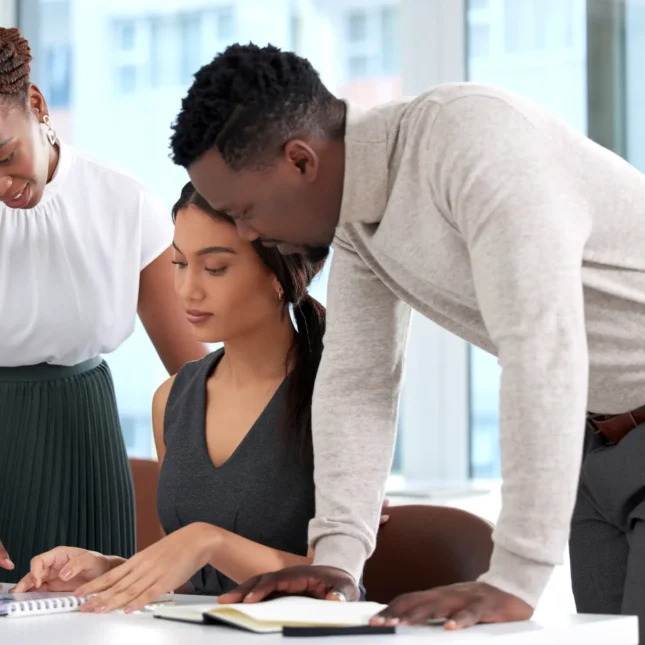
x,y
307,350
295,274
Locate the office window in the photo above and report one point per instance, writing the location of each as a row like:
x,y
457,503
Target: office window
x,y
634,85
357,66
125,34
58,61
357,26
390,43
167,54
479,39
372,42
555,76
226,23
129,59
190,39
126,76
150,54
519,27
295,30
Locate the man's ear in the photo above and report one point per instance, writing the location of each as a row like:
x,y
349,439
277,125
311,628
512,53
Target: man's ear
x,y
302,158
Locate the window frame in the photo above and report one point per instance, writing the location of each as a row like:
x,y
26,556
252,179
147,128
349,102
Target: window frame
x,y
435,402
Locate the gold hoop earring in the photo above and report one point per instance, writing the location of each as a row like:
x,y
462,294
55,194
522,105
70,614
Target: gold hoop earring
x,y
51,133
280,295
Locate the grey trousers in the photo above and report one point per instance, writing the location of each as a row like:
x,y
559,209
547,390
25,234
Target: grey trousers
x,y
607,544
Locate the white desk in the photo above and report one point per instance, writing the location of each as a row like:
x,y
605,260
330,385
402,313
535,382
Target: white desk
x,y
143,628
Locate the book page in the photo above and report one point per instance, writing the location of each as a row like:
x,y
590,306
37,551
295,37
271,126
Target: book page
x,y
296,610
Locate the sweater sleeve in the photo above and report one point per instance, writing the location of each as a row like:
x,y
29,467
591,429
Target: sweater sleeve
x,y
525,224
355,409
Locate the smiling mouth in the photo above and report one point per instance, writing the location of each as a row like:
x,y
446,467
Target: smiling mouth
x,y
19,200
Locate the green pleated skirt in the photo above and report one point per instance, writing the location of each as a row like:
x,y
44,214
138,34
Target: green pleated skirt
x,y
64,472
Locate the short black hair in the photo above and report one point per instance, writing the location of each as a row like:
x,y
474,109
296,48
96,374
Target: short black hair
x,y
248,102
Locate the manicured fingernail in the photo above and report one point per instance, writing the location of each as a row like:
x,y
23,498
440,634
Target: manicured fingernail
x,y
8,562
248,596
393,622
450,624
101,610
65,573
378,620
127,610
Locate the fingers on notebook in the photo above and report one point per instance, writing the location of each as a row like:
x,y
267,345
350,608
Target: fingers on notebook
x,y
26,584
122,587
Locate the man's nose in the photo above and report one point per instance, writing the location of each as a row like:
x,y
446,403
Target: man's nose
x,y
246,232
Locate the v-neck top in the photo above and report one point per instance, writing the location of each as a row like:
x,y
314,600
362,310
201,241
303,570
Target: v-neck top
x,y
262,492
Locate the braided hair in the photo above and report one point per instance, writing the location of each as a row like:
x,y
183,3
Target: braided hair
x,y
15,59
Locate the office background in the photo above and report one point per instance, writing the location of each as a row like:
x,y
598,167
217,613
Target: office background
x,y
114,73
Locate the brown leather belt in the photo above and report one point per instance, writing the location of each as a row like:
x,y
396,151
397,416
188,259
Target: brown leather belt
x,y
615,426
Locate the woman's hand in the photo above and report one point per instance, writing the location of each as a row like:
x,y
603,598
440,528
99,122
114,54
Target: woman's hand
x,y
5,562
157,570
64,568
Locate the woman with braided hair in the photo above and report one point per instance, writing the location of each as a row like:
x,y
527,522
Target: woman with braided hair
x,y
83,249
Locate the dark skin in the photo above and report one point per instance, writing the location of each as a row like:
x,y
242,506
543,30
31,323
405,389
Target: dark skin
x,y
28,162
268,204
26,158
295,204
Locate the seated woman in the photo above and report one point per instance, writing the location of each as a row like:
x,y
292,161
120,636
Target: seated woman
x,y
232,430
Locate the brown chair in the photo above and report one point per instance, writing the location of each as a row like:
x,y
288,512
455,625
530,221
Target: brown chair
x,y
145,473
421,547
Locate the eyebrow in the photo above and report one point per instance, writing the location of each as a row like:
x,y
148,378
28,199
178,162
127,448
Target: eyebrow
x,y
6,141
210,249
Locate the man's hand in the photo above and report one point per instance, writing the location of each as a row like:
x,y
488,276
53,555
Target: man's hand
x,y
325,583
461,605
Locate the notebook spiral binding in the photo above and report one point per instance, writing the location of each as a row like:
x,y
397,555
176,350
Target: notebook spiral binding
x,y
45,606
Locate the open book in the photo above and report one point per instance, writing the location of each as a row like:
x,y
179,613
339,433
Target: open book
x,y
21,605
274,615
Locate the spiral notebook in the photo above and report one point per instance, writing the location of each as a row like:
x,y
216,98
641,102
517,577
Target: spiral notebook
x,y
23,605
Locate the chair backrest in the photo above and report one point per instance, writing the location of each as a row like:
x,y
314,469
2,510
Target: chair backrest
x,y
422,547
145,473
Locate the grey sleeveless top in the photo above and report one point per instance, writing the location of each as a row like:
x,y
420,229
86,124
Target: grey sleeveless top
x,y
263,492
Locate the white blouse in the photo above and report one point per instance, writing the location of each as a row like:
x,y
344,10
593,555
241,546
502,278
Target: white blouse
x,y
69,268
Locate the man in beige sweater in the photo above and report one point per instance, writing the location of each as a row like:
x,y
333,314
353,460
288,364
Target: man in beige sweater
x,y
493,219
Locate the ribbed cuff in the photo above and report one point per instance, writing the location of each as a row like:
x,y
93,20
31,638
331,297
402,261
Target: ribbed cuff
x,y
516,575
342,552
